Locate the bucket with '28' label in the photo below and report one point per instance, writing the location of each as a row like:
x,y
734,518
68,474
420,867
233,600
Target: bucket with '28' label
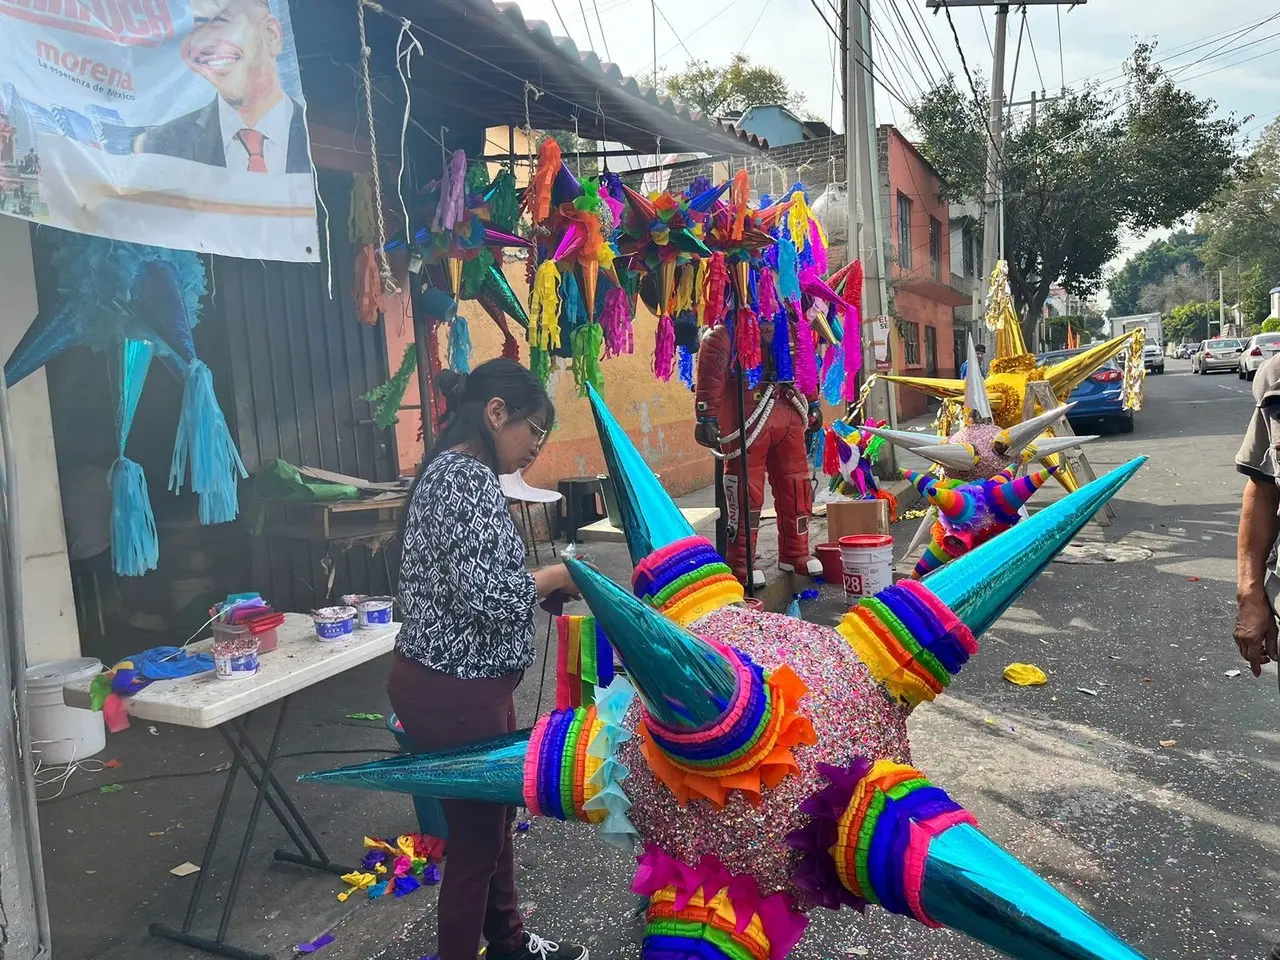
x,y
866,561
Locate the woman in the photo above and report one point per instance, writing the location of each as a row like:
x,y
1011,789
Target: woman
x,y
468,636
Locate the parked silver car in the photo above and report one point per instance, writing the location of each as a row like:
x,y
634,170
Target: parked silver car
x,y
1219,354
1258,349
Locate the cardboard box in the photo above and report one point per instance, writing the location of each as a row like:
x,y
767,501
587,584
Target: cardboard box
x,y
847,517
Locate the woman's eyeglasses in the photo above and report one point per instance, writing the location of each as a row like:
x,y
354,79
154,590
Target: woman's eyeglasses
x,y
540,433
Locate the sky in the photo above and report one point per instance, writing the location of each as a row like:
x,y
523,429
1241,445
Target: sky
x,y
1228,50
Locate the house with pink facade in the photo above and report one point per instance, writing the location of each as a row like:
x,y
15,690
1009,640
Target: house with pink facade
x,y
923,291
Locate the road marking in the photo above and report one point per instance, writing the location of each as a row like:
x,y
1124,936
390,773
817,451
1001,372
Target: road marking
x,y
1243,393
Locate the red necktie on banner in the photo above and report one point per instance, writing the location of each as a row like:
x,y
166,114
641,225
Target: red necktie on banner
x,y
253,142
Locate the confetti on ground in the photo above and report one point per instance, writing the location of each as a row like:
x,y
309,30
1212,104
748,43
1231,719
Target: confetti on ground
x,y
1168,743
317,944
1092,693
185,869
364,716
1232,673
113,764
116,788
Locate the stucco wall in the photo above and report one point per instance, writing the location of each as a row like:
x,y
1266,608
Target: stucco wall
x,y
48,605
658,416
911,175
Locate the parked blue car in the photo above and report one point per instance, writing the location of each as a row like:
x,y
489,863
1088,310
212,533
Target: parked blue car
x,y
1099,397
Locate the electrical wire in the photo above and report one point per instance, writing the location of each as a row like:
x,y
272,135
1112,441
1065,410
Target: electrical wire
x,y
600,23
1227,44
1062,70
586,25
1017,56
1031,42
680,42
973,87
560,16
698,29
763,8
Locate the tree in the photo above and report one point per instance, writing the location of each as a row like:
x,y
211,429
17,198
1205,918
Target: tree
x,y
1182,285
1095,163
736,86
1243,226
1189,323
1088,327
1152,265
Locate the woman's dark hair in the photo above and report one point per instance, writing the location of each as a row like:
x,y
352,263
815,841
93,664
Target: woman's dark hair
x,y
467,394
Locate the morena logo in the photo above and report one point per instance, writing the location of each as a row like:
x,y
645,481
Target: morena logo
x,y
144,23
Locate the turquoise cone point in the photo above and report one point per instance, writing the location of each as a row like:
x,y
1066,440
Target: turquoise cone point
x,y
491,770
980,586
650,519
972,885
683,680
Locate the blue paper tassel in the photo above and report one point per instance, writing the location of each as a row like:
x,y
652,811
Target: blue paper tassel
x,y
685,356
754,375
135,545
782,363
203,438
832,386
788,274
460,344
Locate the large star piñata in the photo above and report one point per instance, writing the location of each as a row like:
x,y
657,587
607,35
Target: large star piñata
x,y
764,769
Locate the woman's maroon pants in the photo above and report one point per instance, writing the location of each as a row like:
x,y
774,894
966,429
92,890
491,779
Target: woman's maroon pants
x,y
478,892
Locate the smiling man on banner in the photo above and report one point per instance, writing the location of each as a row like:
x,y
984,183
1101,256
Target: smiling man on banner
x,y
251,124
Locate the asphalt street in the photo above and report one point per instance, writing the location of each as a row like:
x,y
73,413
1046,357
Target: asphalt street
x,y
1153,799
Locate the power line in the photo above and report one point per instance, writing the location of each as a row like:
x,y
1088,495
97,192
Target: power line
x,y
1031,42
973,87
1236,63
600,23
587,26
1062,70
763,8
1225,45
560,16
1017,55
699,28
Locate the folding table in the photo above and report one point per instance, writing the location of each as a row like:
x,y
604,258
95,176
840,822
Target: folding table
x,y
204,702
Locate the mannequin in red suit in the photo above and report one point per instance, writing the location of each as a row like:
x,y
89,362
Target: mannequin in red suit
x,y
778,418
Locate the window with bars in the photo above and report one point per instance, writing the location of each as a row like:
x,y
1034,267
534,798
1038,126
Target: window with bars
x,y
911,345
935,247
904,231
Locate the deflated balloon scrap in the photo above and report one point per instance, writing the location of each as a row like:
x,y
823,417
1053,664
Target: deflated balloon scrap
x,y
1025,675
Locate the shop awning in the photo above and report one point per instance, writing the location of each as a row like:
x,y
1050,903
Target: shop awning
x,y
480,53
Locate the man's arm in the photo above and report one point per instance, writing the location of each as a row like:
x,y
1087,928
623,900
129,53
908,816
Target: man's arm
x,y
1255,631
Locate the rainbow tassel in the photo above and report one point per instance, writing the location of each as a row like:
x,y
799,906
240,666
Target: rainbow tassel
x,y
544,308
615,319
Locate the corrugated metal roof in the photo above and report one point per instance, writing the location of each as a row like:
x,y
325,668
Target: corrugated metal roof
x,y
607,103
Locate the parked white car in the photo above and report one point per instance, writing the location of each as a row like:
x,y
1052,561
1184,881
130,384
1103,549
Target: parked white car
x,y
1219,354
1258,349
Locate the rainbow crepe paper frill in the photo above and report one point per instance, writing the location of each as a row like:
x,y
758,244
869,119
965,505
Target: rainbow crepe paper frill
x,y
572,771
686,580
708,913
748,747
912,644
870,836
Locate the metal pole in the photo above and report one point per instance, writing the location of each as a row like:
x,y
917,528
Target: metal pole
x,y
1221,307
865,214
421,331
744,481
993,214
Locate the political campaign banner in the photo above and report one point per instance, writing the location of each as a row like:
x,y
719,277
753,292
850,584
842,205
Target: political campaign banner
x,y
178,123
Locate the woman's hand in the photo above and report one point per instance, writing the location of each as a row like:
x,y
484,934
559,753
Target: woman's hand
x,y
555,579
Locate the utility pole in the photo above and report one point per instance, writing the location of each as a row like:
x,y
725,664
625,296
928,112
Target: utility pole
x,y
993,214
865,216
1221,306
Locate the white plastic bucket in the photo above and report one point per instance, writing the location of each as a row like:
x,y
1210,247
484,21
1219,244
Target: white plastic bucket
x,y
866,560
61,734
374,612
